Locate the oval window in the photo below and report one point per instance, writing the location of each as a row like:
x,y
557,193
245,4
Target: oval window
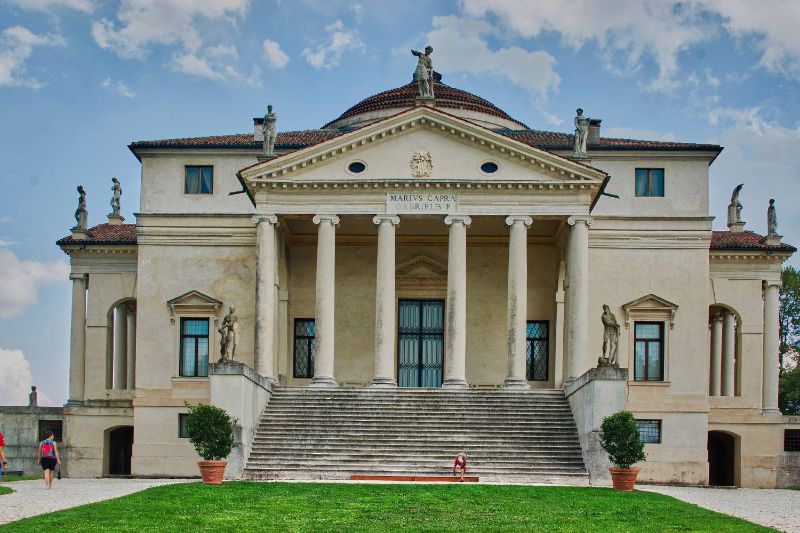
x,y
357,167
489,167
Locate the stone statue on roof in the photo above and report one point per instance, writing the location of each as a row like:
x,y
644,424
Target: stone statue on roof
x,y
33,397
116,196
424,73
270,131
735,208
81,214
772,220
581,133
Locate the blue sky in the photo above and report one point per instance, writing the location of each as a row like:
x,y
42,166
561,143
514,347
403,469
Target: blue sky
x,y
80,79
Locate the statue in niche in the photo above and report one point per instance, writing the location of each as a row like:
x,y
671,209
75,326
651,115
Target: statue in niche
x,y
772,220
270,131
33,397
581,133
610,338
424,73
735,207
81,214
116,196
229,329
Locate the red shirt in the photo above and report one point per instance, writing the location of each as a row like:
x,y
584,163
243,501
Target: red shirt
x,y
2,442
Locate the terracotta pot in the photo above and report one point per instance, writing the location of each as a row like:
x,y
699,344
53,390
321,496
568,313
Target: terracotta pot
x,y
623,479
212,471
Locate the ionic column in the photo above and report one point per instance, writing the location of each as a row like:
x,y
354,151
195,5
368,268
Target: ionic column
x,y
384,303
578,296
326,284
455,363
769,395
516,317
131,348
120,348
716,355
265,295
728,354
77,352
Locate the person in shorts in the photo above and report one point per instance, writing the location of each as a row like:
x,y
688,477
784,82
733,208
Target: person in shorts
x,y
47,456
460,462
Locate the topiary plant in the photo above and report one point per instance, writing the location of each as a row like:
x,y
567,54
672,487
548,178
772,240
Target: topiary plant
x,y
619,437
210,431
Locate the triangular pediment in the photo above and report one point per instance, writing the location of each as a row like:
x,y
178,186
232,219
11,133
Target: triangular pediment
x,y
193,301
422,144
650,306
421,266
651,301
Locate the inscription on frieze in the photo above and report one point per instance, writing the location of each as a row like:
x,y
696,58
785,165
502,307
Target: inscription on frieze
x,y
421,203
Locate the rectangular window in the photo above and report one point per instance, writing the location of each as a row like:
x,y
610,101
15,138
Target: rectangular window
x,y
791,440
182,433
538,348
55,426
649,351
194,347
199,180
304,347
649,431
649,182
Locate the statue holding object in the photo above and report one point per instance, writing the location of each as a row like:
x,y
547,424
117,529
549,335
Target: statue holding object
x,y
581,133
424,73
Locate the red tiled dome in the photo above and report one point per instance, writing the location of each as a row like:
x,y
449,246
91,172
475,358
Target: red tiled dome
x,y
445,97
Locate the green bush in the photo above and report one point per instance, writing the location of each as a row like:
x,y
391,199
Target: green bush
x,y
210,431
619,437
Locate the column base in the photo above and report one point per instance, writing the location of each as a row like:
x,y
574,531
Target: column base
x,y
455,383
772,412
383,383
322,382
516,384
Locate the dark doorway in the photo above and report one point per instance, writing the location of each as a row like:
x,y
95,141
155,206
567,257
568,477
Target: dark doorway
x,y
120,448
721,459
420,343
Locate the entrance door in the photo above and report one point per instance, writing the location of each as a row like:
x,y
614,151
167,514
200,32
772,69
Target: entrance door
x,y
721,458
420,343
120,444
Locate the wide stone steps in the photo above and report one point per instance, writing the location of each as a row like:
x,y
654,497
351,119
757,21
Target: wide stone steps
x,y
336,433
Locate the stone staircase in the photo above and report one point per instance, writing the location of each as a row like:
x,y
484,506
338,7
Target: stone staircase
x,y
336,433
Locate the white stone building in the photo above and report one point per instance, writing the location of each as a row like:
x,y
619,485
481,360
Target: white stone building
x,y
420,243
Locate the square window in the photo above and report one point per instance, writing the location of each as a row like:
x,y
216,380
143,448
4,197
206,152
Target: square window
x,y
56,426
194,347
182,433
199,180
304,347
648,352
538,349
649,431
791,440
649,182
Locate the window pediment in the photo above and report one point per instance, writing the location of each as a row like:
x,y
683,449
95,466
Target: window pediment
x,y
421,271
650,307
193,302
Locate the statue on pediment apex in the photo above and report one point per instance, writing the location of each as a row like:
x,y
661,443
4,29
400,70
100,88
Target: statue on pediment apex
x,y
116,197
270,131
581,133
424,73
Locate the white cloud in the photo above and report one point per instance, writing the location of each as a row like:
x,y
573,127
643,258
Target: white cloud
x,y
459,47
636,133
6,242
16,380
222,51
340,40
16,46
85,6
118,87
20,281
213,65
553,119
358,11
274,56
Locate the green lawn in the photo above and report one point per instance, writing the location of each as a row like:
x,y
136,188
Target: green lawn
x,y
9,479
243,506
6,490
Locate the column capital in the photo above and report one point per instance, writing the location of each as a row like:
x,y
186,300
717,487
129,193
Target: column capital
x,y
333,219
464,219
513,219
716,317
257,219
81,277
767,283
580,218
394,219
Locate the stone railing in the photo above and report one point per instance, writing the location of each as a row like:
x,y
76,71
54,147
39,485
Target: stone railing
x,y
244,394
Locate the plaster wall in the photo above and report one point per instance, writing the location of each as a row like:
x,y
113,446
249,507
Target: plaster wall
x,y
20,428
86,433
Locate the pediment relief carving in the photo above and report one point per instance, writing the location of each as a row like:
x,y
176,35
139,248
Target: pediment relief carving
x,y
421,266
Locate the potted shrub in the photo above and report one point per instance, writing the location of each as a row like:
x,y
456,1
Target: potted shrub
x,y
619,437
210,431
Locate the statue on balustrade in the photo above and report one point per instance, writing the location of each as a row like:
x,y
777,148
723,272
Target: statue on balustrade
x,y
81,214
270,130
772,220
610,338
735,207
229,329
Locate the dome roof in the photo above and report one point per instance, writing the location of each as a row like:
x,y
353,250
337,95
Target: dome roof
x,y
455,101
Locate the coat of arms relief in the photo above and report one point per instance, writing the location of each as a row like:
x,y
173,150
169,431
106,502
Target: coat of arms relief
x,y
421,164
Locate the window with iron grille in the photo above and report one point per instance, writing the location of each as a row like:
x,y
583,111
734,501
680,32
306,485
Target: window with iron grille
x,y
791,440
649,182
55,426
538,348
194,347
304,347
649,431
648,351
182,432
199,180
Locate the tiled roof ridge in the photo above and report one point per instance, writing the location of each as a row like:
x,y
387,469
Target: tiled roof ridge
x,y
746,240
104,234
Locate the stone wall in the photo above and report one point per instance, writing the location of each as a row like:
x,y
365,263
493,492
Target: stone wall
x,y
20,428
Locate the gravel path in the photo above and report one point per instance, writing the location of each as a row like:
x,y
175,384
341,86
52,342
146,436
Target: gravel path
x,y
30,498
778,508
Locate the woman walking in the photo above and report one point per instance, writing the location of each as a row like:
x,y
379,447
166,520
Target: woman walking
x,y
47,456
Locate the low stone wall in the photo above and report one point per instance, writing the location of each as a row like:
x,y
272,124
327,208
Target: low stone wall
x,y
594,395
20,428
244,394
789,462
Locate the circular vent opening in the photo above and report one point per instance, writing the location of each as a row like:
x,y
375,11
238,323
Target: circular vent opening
x,y
489,167
356,167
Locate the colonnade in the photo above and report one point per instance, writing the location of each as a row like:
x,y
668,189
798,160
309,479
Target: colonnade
x,y
121,369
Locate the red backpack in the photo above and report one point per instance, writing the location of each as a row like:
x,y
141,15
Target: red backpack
x,y
48,450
